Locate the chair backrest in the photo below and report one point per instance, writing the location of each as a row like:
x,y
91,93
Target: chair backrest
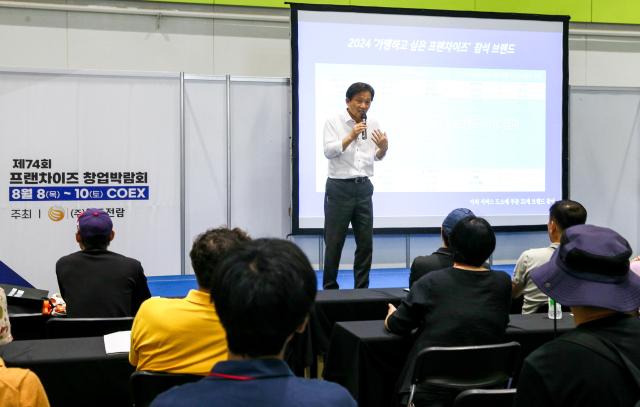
x,y
485,398
145,385
81,327
467,367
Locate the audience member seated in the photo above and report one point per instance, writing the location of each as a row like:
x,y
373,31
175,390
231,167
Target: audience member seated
x,y
97,283
635,265
184,335
18,387
562,214
586,366
441,258
263,293
463,305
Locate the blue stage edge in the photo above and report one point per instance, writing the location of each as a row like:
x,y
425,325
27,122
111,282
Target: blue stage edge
x,y
179,286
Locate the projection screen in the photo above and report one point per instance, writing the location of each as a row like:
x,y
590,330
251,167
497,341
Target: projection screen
x,y
474,106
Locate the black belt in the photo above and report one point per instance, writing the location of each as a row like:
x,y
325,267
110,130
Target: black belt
x,y
357,180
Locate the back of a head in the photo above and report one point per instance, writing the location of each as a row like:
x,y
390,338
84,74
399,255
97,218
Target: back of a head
x,y
263,291
567,213
472,241
94,228
451,221
210,247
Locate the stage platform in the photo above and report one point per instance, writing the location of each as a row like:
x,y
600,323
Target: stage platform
x,y
178,286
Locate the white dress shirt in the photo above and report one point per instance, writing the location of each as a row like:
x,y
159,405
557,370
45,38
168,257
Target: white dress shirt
x,y
357,159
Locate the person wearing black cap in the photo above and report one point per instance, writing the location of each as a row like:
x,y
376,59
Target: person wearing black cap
x,y
443,257
97,283
348,191
593,364
463,305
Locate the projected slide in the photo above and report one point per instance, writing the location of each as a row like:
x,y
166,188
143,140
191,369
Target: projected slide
x,y
473,110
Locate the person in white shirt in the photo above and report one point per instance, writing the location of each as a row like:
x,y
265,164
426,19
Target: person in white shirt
x,y
352,142
562,215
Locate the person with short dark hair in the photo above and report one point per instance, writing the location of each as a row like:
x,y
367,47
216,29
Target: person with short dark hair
x,y
462,305
162,334
562,215
263,292
443,257
95,282
352,142
590,365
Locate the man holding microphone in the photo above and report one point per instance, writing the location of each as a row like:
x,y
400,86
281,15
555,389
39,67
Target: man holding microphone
x,y
352,142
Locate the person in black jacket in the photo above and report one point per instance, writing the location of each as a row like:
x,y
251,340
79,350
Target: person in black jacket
x,y
97,283
443,257
462,305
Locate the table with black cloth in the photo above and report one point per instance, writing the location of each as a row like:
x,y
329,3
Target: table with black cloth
x,y
330,307
367,360
74,371
333,306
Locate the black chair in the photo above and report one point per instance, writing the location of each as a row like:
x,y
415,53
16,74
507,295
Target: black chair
x,y
485,398
145,385
82,327
465,367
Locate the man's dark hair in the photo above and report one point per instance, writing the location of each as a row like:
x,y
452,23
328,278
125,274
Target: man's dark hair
x,y
567,213
358,87
97,242
472,241
263,291
210,247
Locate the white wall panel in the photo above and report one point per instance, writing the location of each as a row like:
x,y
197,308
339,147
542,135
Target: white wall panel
x,y
260,170
605,144
206,158
94,123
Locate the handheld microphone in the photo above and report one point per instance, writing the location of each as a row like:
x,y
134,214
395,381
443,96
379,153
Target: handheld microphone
x,y
364,120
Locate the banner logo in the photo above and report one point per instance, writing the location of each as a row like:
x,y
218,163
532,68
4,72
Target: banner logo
x,y
56,213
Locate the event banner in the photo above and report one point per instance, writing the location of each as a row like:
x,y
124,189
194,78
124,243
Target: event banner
x,y
72,142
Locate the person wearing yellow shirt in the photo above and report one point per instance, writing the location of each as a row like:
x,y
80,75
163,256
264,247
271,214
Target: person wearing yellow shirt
x,y
18,387
184,335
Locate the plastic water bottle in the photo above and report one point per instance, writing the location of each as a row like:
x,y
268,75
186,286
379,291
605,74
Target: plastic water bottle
x,y
558,310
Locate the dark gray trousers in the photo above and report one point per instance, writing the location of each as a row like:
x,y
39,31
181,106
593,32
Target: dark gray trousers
x,y
348,201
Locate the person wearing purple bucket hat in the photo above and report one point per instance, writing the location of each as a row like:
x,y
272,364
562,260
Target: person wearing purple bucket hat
x,y
95,282
596,364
